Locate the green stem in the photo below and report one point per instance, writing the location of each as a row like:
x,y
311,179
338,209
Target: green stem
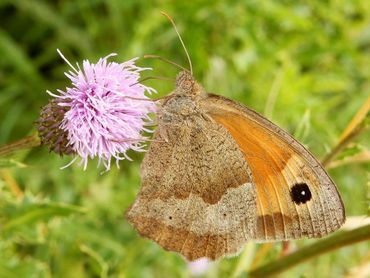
x,y
339,240
22,144
342,144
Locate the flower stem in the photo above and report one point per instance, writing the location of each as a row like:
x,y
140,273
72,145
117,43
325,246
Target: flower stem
x,y
342,144
355,127
22,144
336,241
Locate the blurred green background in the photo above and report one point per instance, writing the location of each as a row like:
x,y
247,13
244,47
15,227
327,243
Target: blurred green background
x,y
303,64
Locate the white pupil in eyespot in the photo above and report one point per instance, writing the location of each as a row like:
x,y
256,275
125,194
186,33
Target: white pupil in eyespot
x,y
303,193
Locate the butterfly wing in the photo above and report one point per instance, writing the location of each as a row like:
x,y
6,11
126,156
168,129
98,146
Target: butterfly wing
x,y
295,196
196,196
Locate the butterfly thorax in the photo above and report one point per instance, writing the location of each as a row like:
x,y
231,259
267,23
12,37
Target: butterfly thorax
x,y
183,103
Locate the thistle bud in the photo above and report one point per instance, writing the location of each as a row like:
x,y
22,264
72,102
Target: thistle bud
x,y
48,127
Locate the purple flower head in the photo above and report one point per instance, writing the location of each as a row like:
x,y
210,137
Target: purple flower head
x,y
107,109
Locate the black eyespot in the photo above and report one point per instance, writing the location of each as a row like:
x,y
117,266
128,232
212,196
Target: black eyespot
x,y
300,193
170,217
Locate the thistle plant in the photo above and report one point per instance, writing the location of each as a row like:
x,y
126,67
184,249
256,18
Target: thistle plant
x,y
103,113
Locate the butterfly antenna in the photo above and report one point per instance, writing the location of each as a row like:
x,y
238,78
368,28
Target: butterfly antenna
x,y
165,60
155,77
183,45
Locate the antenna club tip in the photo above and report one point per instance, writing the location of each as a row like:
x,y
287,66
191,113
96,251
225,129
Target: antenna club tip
x,y
168,16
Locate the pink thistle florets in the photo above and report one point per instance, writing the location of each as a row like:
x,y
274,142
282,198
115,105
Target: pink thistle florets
x,y
107,109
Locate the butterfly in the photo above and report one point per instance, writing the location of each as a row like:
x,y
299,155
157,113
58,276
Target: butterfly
x,y
218,174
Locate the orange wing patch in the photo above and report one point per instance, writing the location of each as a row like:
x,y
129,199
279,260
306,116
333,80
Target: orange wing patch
x,y
267,156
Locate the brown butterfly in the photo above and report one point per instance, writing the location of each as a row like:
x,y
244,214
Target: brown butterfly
x,y
218,174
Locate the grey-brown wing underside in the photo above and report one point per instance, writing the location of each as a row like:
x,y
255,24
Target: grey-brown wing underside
x,y
197,196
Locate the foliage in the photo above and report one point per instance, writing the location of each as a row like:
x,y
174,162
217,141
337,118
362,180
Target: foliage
x,y
304,64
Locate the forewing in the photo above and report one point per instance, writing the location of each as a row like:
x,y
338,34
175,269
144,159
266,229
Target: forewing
x,y
295,196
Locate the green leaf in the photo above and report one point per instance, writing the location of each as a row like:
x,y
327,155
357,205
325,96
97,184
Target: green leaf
x,y
9,163
98,261
350,151
38,212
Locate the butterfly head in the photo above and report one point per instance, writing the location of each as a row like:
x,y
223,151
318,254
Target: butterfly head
x,y
183,101
187,85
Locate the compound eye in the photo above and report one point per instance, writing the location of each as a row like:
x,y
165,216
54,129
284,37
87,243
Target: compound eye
x,y
187,85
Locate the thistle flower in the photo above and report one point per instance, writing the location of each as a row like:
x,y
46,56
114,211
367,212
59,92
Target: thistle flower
x,y
199,267
105,111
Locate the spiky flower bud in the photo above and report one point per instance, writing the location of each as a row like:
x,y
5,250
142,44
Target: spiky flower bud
x,y
48,127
